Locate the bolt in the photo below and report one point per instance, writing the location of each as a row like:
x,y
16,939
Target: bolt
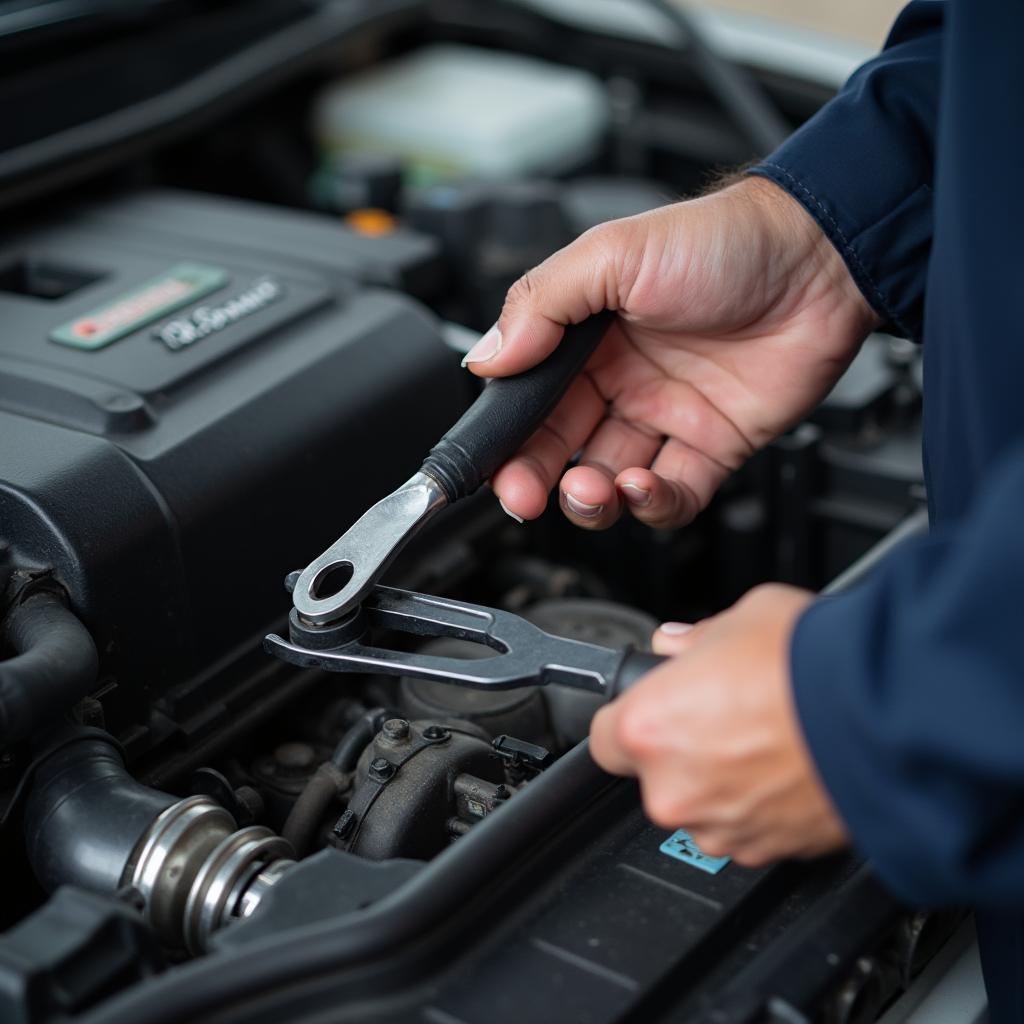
x,y
435,733
501,793
250,803
381,769
396,729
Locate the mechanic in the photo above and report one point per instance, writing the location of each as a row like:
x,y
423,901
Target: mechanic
x,y
892,713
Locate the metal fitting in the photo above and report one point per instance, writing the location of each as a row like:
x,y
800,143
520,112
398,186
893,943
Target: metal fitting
x,y
381,769
396,729
196,873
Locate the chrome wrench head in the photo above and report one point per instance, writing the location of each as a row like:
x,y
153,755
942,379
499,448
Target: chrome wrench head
x,y
336,582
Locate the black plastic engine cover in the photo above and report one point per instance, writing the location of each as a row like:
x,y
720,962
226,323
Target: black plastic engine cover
x,y
172,485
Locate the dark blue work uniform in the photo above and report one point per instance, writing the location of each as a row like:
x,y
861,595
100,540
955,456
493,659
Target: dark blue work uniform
x,y
910,688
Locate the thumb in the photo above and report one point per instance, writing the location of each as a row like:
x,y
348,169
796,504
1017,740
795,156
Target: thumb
x,y
566,288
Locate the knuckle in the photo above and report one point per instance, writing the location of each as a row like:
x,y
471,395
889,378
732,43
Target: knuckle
x,y
608,253
523,291
770,593
764,594
751,856
632,731
601,238
712,844
665,808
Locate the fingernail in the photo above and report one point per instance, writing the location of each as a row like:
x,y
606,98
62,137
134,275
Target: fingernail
x,y
636,495
509,511
675,628
486,348
581,508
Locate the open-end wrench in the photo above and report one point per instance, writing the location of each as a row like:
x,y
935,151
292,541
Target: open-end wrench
x,y
523,653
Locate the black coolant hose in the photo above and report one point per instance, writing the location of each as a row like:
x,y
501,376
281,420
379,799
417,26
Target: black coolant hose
x,y
330,779
308,811
85,814
359,734
53,664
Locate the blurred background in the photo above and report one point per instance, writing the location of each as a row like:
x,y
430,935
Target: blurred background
x,y
866,21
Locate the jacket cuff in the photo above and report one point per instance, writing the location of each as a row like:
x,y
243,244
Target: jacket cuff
x,y
886,259
863,168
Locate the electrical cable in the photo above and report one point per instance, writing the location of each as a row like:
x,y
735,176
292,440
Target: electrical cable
x,y
743,99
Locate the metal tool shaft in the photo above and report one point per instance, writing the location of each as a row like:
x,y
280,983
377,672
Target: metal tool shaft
x,y
504,415
337,581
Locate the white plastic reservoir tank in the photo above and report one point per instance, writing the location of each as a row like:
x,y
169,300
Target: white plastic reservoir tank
x,y
456,112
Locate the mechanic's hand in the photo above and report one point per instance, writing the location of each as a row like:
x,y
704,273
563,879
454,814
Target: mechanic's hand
x,y
714,738
736,316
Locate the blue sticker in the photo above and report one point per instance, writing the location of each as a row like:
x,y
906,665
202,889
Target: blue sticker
x,y
681,846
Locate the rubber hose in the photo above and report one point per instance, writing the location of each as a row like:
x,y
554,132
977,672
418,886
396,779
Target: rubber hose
x,y
308,811
739,94
330,779
85,814
54,664
359,734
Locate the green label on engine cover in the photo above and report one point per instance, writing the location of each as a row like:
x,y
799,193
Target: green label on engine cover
x,y
127,313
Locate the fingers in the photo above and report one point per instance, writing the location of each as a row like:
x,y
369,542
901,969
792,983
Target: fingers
x,y
678,409
589,495
605,748
672,638
657,500
612,476
678,485
524,482
574,283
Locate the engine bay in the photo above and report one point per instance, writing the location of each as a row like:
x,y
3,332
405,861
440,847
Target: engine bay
x,y
218,347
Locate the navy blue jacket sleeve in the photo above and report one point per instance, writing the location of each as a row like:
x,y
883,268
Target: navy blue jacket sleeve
x,y
863,168
909,688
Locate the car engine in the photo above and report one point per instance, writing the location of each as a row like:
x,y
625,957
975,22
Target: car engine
x,y
222,338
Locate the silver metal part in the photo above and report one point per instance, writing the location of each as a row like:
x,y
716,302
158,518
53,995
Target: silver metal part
x,y
365,550
915,525
196,872
170,855
219,887
259,885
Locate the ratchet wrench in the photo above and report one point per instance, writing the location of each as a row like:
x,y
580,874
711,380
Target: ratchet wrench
x,y
491,431
336,599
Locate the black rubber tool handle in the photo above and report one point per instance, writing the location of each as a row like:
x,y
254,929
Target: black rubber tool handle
x,y
508,411
633,667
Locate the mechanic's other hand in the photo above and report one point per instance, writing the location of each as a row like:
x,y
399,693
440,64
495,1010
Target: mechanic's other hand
x,y
736,316
714,738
